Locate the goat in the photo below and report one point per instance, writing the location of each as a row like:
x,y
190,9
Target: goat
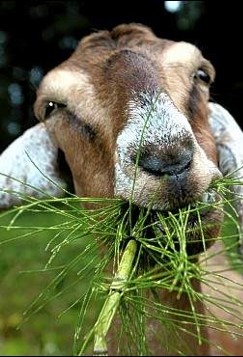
x,y
131,113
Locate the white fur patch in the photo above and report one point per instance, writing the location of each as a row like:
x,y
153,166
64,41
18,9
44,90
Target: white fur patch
x,y
181,52
158,124
28,167
229,139
60,84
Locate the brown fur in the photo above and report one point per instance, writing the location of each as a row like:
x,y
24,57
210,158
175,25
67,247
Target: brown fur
x,y
99,57
96,83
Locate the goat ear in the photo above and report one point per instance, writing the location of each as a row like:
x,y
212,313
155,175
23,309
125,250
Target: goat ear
x,y
28,167
229,140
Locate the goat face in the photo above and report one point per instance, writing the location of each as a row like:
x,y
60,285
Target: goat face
x,y
130,113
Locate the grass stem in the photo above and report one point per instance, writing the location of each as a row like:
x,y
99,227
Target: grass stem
x,y
111,304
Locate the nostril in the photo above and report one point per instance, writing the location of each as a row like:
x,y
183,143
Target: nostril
x,y
170,163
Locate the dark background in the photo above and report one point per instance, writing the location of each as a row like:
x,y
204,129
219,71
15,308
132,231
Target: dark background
x,y
37,35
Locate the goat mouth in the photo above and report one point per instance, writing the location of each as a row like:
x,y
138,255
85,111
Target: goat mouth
x,y
199,222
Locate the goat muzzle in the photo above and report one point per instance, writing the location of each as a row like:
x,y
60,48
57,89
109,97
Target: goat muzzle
x,y
161,166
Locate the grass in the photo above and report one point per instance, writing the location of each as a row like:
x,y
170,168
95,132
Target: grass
x,y
58,295
25,274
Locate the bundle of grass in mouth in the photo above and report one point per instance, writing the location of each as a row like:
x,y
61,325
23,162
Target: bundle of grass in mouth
x,y
144,252
155,250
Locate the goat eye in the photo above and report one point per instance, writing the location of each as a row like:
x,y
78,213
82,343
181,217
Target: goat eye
x,y
50,107
202,76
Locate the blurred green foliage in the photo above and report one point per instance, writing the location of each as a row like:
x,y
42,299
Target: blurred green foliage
x,y
23,278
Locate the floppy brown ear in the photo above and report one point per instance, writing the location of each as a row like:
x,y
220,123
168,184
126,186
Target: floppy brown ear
x,y
229,140
28,167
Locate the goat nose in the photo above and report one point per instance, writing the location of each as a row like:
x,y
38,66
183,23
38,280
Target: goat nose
x,y
168,162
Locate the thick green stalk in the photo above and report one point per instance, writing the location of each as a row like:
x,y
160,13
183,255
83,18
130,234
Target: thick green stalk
x,y
111,304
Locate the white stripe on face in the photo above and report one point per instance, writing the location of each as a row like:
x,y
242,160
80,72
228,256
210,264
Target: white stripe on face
x,y
158,124
181,52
